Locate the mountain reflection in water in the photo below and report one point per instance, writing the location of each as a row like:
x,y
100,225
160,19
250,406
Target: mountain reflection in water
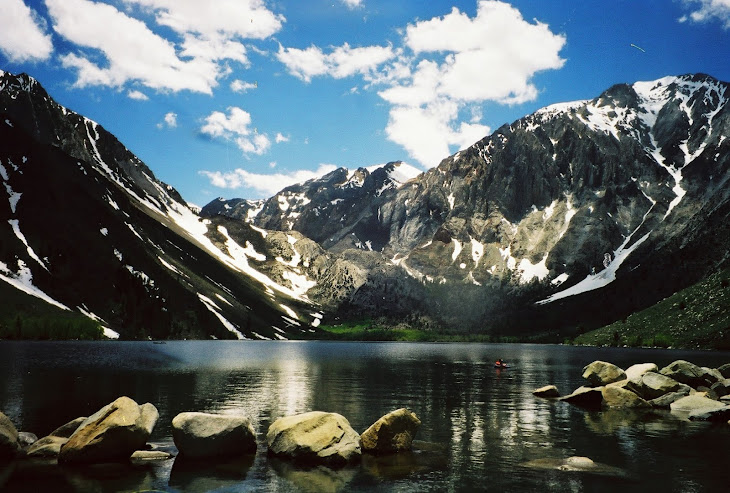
x,y
482,427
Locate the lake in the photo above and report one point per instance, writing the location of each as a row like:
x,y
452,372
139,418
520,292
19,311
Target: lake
x,y
480,424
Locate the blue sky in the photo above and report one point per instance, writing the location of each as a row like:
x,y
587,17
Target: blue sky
x,y
239,98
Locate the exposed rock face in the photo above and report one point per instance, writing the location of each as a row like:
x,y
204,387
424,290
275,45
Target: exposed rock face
x,y
111,434
601,373
687,373
654,385
394,432
9,446
208,435
314,437
548,392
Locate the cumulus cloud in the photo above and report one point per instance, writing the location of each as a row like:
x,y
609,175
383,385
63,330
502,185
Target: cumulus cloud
x,y
708,10
236,127
447,67
170,121
343,61
242,86
265,184
138,95
24,36
209,37
465,61
352,4
281,138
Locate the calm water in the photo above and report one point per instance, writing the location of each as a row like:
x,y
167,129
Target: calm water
x,y
481,424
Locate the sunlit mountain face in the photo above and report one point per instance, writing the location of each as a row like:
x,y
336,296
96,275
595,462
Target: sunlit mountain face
x,y
583,211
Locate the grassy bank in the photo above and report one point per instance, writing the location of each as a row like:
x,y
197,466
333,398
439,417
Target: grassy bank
x,y
696,317
371,331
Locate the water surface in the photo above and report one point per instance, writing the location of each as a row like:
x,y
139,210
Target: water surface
x,y
480,425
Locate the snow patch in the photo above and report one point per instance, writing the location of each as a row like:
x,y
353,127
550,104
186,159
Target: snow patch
x,y
16,229
457,249
529,271
23,280
213,308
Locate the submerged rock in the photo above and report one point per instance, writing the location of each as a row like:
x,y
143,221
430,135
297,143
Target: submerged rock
x,y
208,435
576,464
111,434
394,432
315,437
547,392
600,373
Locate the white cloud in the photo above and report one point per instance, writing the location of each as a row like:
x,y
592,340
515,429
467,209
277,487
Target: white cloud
x,y
428,132
281,138
343,61
265,184
138,95
447,67
202,40
170,121
236,127
242,86
708,10
24,35
352,4
463,61
231,18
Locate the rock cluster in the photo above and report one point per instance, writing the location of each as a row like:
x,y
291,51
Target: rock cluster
x,y
700,393
119,432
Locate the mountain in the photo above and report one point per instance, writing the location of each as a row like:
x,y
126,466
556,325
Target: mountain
x,y
86,228
569,218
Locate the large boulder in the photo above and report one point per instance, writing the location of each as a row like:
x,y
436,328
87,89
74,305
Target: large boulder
x,y
49,446
315,437
635,372
654,385
618,397
721,388
111,434
68,429
9,446
209,435
600,373
688,373
724,370
696,403
666,400
589,397
394,432
547,392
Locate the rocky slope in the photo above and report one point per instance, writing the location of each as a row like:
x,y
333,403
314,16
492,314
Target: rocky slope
x,y
617,201
86,227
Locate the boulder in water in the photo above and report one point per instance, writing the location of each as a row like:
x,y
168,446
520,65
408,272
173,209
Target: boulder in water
x,y
315,437
600,373
394,432
111,434
209,435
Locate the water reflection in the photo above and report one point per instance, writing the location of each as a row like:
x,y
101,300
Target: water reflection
x,y
478,422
